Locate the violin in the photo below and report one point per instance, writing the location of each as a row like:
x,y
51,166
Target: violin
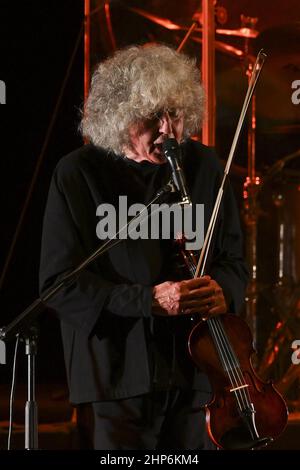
x,y
245,412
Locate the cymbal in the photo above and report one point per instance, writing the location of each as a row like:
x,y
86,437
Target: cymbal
x,y
241,32
226,48
168,24
165,22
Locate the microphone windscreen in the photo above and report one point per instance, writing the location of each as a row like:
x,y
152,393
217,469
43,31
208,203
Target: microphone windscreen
x,y
170,145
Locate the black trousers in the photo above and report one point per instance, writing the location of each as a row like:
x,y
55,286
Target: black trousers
x,y
158,420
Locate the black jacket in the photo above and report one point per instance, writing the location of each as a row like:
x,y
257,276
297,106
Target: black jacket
x,y
114,347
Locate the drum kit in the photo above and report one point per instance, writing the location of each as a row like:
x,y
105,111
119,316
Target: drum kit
x,y
271,198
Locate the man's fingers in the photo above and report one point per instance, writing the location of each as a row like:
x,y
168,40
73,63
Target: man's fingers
x,y
206,291
197,282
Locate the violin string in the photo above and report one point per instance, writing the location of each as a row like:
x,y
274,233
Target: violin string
x,y
222,350
222,354
243,392
227,356
225,359
238,367
230,361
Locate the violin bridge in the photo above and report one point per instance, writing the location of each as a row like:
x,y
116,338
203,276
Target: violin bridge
x,y
238,388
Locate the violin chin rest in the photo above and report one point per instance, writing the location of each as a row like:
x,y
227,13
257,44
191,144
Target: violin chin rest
x,y
239,439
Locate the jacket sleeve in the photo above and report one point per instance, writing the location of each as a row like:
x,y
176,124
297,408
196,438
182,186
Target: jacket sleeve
x,y
80,303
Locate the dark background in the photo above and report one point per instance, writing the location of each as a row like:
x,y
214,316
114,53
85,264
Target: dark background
x,y
36,43
37,40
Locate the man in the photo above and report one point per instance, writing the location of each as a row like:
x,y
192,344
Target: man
x,y
126,320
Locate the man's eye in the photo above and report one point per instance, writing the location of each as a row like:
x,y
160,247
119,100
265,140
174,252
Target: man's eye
x,y
159,114
174,114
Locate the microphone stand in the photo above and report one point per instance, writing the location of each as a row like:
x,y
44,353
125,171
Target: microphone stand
x,y
22,325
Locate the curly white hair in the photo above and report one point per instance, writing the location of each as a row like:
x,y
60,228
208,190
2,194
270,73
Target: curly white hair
x,y
134,85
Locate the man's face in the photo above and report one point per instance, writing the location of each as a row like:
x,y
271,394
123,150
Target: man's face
x,y
147,137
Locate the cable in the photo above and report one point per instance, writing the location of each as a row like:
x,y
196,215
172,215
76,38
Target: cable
x,y
12,394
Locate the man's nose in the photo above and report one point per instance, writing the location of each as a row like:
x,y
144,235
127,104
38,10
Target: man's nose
x,y
165,124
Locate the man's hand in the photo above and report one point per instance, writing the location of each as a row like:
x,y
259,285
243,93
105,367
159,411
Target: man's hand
x,y
203,296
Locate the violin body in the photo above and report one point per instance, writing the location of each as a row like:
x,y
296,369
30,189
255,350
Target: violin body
x,y
245,412
228,427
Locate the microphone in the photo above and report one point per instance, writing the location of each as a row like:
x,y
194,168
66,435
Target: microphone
x,y
172,152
